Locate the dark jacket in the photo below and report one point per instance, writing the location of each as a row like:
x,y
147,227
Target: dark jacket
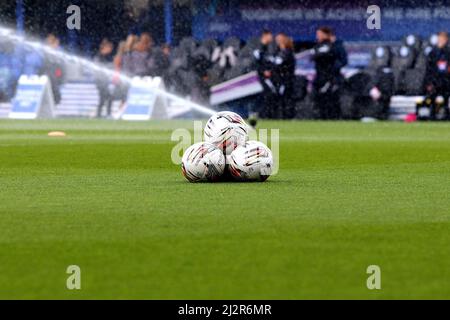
x,y
437,73
263,60
326,59
341,56
158,63
284,68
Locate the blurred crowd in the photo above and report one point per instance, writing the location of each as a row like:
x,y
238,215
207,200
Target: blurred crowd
x,y
191,68
135,56
19,59
282,88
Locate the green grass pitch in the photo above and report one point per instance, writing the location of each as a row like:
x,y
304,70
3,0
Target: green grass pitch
x,y
109,199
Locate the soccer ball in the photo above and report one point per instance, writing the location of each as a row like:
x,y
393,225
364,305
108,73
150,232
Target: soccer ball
x,y
203,162
227,131
251,162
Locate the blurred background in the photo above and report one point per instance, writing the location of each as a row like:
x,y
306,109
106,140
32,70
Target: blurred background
x,y
204,51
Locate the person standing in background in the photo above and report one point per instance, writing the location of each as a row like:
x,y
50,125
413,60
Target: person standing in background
x,y
155,58
263,58
326,84
166,51
437,78
341,55
7,79
103,79
284,76
140,58
127,60
341,62
54,69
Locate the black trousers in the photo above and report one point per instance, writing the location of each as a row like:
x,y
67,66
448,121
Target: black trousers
x,y
105,99
385,103
56,83
268,101
327,100
328,105
440,87
287,104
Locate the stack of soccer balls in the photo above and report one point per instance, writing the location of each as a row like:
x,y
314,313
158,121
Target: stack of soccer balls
x,y
227,152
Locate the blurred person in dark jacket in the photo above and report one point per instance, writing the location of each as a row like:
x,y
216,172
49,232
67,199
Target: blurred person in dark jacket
x,y
103,79
284,76
327,82
437,78
151,61
263,59
54,68
200,89
341,55
158,63
166,51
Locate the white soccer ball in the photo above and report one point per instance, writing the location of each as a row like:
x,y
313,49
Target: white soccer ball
x,y
251,162
227,131
203,162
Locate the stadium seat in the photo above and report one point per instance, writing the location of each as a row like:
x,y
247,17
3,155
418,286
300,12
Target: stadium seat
x,y
215,75
381,58
253,43
209,44
421,61
413,42
246,52
384,80
203,52
179,59
188,45
356,91
413,81
233,42
359,84
404,59
433,39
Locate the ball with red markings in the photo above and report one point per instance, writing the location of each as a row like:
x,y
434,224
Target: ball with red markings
x,y
251,162
203,162
227,131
